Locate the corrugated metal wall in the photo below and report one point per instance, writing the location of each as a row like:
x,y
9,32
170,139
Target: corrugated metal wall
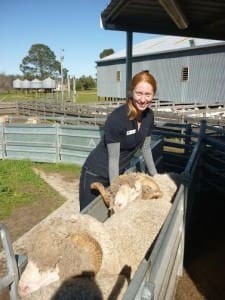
x,y
206,82
107,84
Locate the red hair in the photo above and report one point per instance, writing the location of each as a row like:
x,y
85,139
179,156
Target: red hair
x,y
139,77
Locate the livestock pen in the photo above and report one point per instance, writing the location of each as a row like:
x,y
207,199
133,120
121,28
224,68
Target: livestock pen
x,y
191,149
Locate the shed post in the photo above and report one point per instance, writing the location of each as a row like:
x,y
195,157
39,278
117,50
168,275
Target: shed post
x,y
129,60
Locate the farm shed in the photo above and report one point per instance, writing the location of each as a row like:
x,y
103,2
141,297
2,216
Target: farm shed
x,y
193,18
186,69
200,19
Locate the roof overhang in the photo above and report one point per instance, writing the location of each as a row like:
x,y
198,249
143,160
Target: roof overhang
x,y
191,18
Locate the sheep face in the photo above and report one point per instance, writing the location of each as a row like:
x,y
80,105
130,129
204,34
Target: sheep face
x,y
33,279
125,195
121,197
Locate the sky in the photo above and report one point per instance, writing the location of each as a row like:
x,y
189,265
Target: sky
x,y
71,25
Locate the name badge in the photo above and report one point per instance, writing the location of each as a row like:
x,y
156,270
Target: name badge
x,y
133,131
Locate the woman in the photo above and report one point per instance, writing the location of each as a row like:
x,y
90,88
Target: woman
x,y
127,129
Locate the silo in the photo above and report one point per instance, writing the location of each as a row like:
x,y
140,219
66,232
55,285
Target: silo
x,y
36,84
25,84
48,83
17,83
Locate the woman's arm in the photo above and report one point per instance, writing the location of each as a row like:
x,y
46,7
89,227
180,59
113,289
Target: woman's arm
x,y
147,155
114,155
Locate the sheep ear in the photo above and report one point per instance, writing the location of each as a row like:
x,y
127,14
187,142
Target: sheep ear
x,y
86,242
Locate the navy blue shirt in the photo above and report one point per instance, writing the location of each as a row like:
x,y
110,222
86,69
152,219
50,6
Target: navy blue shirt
x,y
119,129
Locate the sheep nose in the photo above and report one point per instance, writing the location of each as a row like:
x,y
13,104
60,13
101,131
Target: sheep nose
x,y
23,290
118,203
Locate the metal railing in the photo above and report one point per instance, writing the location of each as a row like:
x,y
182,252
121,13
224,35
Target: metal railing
x,y
157,275
158,272
10,280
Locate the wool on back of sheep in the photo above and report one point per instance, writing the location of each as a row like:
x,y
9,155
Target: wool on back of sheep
x,y
122,241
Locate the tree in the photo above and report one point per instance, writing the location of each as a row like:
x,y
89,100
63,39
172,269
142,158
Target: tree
x,y
6,82
106,52
85,83
41,63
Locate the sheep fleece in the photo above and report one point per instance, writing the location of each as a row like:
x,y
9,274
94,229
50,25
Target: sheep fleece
x,y
124,239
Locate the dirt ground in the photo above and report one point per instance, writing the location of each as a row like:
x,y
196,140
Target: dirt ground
x,y
203,274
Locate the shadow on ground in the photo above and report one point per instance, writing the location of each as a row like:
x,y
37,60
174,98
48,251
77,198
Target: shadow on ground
x,y
204,255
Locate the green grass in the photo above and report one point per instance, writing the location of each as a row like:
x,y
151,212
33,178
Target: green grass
x,y
87,96
68,171
59,167
20,185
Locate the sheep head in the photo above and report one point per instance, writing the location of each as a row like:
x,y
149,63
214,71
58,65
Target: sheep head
x,y
127,188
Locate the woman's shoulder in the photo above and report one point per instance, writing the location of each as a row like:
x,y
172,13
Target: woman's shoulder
x,y
149,112
119,111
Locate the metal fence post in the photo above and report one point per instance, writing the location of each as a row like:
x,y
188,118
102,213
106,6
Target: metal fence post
x,y
12,278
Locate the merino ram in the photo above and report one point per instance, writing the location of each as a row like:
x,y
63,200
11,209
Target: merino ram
x,y
67,253
126,188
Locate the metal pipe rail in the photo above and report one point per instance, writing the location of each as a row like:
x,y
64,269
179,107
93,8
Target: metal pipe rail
x,y
10,280
157,274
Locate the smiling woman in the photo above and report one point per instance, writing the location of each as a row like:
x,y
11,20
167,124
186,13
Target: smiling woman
x,y
143,95
127,129
147,96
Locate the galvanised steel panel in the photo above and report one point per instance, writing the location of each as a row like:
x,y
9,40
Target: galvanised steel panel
x,y
76,142
51,143
35,142
73,157
36,134
39,154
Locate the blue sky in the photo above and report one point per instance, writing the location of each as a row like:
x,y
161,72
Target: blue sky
x,y
72,25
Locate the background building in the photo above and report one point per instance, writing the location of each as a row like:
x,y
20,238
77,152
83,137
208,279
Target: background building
x,y
186,69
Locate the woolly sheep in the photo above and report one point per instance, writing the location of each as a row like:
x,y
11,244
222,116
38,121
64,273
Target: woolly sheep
x,y
126,188
32,120
4,119
66,249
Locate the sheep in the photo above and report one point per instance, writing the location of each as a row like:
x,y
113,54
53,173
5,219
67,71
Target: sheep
x,y
4,119
126,188
32,120
67,248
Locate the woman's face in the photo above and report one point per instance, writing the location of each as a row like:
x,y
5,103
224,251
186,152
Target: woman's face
x,y
143,95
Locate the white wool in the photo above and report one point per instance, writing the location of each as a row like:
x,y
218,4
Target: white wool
x,y
124,238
